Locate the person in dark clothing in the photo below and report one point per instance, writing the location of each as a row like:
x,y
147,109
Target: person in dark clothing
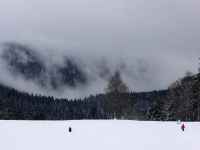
x,y
70,129
183,127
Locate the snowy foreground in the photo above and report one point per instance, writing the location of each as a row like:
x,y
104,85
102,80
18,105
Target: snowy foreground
x,y
98,135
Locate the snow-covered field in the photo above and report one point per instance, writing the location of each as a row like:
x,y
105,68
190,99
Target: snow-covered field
x,y
98,135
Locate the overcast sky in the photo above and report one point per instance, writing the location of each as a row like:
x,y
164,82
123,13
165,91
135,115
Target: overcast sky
x,y
153,42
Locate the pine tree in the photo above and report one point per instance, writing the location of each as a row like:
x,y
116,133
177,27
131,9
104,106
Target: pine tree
x,y
156,111
170,115
8,111
19,114
29,114
41,115
2,110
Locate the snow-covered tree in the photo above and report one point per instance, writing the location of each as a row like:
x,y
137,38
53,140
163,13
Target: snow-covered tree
x,y
19,114
179,100
29,113
8,111
156,111
2,109
196,92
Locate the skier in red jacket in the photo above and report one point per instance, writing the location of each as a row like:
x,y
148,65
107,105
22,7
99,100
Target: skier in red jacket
x,y
183,127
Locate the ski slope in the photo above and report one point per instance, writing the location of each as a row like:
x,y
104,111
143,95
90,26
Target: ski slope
x,y
98,135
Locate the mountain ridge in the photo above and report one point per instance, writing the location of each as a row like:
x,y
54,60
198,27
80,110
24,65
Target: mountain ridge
x,y
27,63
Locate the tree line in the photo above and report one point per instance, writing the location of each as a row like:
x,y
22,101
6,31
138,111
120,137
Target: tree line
x,y
23,106
182,100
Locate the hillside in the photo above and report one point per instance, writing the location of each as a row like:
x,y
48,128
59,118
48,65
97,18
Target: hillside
x,y
27,63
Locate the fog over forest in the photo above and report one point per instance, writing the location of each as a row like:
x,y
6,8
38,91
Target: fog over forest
x,y
152,43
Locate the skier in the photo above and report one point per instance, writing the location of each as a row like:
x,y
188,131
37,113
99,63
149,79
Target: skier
x,y
70,129
183,127
179,120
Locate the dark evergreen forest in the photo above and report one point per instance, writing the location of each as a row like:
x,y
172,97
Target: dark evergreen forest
x,y
23,106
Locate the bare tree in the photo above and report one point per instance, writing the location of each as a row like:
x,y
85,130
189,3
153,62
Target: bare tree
x,y
179,100
196,91
116,96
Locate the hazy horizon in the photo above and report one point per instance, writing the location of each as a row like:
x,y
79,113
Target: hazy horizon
x,y
151,43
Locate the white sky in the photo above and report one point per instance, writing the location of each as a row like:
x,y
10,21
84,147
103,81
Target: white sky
x,y
156,41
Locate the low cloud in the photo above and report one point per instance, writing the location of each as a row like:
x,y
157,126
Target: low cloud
x,y
151,43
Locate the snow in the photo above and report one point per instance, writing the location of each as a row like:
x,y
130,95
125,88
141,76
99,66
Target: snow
x,y
98,135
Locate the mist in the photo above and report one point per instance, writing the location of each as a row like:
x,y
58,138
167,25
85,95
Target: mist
x,y
152,43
